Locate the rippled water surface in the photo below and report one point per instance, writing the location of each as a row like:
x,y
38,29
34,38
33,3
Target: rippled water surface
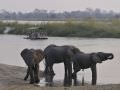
x,y
108,72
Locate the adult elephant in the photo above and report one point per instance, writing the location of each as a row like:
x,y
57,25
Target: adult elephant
x,y
59,54
32,58
84,61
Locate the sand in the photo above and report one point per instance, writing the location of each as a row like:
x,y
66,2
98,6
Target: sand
x,y
11,78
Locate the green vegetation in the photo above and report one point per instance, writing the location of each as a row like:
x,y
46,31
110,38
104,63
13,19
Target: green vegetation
x,y
88,28
2,27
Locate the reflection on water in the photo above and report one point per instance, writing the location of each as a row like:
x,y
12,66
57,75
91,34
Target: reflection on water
x,y
12,45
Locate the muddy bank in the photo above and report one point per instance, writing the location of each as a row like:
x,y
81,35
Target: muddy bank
x,y
13,75
11,78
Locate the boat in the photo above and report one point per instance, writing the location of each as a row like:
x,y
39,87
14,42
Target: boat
x,y
35,35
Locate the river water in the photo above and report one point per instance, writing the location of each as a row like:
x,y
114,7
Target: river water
x,y
108,71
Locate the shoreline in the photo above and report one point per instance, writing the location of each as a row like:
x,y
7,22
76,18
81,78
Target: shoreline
x,y
11,78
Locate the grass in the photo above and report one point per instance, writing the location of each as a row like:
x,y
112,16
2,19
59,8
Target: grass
x,y
88,28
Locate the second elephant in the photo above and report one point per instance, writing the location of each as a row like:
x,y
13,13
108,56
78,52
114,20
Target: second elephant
x,y
83,61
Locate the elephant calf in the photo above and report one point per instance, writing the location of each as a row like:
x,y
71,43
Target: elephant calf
x,y
32,59
83,61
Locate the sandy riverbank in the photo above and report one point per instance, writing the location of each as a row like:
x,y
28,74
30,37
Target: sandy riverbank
x,y
11,78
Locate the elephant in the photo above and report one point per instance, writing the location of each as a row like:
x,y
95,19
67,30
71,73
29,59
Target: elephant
x,y
32,58
58,54
83,61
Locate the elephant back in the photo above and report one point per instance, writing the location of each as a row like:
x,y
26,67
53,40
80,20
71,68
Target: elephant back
x,y
49,49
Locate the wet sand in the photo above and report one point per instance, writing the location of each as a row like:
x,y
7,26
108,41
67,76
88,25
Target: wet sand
x,y
11,78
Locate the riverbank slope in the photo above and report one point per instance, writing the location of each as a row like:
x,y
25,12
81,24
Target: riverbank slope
x,y
11,78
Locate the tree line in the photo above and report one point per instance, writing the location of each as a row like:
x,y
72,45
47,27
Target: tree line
x,y
44,15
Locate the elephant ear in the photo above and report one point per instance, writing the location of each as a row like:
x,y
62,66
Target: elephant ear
x,y
75,50
96,58
24,52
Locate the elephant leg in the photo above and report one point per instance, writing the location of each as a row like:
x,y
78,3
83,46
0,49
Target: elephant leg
x,y
51,70
36,73
65,76
28,73
74,74
31,75
94,74
49,76
46,71
70,73
48,68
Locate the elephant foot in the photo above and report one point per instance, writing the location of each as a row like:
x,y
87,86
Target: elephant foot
x,y
31,82
49,79
25,79
67,85
76,83
49,84
37,81
94,84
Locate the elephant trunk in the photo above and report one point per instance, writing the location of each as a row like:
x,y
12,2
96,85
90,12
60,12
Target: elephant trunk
x,y
111,56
